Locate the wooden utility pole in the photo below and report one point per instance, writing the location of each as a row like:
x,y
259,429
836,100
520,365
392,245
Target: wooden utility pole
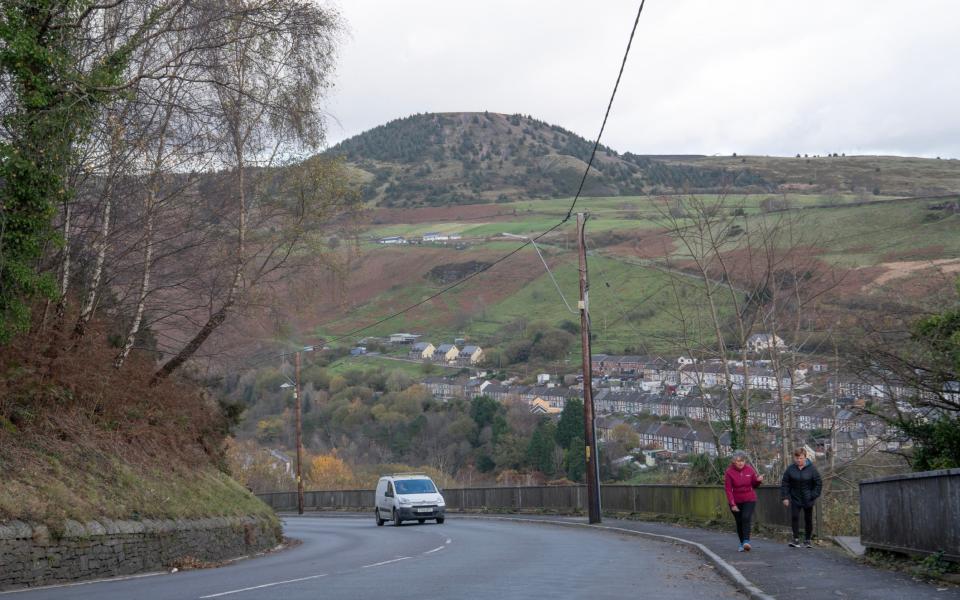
x,y
296,392
589,433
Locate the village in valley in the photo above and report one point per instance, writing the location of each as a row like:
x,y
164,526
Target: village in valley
x,y
678,405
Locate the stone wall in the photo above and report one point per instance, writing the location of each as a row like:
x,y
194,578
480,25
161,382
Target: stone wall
x,y
32,555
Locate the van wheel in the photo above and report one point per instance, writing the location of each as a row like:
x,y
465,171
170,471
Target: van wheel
x,y
396,518
376,514
439,520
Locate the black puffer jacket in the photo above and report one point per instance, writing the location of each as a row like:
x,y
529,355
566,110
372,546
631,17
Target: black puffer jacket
x,y
801,486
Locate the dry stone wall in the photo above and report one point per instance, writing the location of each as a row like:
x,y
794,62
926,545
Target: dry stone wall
x,y
32,555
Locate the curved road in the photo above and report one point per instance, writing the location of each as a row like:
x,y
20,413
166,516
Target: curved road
x,y
350,558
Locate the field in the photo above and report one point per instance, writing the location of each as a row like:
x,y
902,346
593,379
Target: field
x,y
875,247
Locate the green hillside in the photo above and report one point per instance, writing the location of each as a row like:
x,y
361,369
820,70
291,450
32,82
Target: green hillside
x,y
636,302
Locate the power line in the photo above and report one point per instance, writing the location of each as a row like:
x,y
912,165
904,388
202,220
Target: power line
x,y
606,115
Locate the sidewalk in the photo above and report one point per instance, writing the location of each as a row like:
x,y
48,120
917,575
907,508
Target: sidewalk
x,y
788,573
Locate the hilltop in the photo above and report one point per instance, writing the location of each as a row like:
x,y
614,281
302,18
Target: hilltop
x,y
470,158
449,159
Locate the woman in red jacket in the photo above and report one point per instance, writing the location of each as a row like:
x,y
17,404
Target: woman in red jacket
x,y
739,481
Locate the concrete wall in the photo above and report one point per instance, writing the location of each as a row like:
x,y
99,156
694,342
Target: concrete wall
x,y
31,554
916,513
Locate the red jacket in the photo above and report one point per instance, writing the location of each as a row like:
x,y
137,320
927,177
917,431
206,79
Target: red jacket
x,y
739,484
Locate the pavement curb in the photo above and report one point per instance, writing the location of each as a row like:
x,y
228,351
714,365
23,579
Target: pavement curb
x,y
725,568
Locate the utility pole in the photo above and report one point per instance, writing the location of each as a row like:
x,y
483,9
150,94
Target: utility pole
x,y
592,472
296,393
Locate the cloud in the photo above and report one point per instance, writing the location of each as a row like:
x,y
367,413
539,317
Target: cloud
x,y
755,77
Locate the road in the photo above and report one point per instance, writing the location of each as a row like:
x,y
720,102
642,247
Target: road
x,y
348,557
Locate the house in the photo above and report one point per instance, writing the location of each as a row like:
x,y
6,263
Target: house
x,y
684,439
542,407
760,342
446,353
444,388
434,236
556,397
358,350
403,338
470,355
422,351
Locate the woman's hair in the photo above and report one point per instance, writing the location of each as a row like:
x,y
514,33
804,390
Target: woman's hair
x,y
800,452
738,454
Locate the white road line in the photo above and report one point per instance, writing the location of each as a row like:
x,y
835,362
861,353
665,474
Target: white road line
x,y
266,585
386,562
437,549
449,541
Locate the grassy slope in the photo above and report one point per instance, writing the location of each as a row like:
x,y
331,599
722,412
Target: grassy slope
x,y
57,488
81,440
848,236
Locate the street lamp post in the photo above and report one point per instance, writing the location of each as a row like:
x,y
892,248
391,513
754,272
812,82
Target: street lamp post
x,y
299,411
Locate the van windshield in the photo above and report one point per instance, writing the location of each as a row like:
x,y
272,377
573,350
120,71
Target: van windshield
x,y
415,486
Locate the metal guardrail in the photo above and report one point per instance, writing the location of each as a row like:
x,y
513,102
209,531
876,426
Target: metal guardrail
x,y
916,513
698,502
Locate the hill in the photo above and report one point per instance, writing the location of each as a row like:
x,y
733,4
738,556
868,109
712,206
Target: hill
x,y
468,158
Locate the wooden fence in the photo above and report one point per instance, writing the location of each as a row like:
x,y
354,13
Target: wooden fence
x,y
916,513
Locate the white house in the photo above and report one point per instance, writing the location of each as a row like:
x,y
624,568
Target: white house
x,y
759,342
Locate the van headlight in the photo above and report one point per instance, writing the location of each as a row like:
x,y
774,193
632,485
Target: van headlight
x,y
403,501
440,501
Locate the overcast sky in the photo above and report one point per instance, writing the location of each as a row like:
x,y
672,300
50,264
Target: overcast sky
x,y
771,77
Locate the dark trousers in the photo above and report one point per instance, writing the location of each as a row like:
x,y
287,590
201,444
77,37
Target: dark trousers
x,y
744,517
807,520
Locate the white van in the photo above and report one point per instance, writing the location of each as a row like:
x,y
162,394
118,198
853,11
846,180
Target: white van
x,y
407,497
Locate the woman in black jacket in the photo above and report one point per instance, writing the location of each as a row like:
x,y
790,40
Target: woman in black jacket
x,y
799,489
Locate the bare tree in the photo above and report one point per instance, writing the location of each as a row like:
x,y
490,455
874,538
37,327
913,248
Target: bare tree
x,y
265,91
754,274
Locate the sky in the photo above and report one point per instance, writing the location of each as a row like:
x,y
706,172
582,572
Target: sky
x,y
762,77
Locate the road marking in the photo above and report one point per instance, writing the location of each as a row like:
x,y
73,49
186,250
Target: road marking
x,y
266,585
437,549
386,562
449,541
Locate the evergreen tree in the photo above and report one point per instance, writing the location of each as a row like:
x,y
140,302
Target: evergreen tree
x,y
574,460
571,423
542,444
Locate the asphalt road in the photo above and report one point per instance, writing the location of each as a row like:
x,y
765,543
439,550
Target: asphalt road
x,y
351,558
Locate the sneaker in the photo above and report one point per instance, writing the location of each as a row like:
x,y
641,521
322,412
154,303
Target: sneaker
x,y
746,546
740,548
795,543
808,544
